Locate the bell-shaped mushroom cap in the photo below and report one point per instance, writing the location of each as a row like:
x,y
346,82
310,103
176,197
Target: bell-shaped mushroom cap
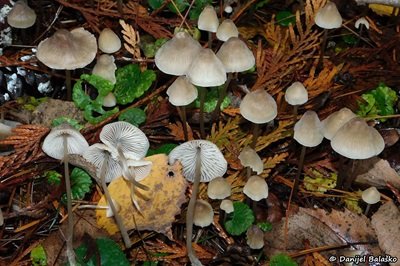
x,y
21,16
130,139
206,70
203,213
335,121
249,158
258,107
371,195
307,131
296,94
53,143
328,17
236,56
182,92
109,100
141,168
218,188
255,237
99,154
176,55
213,163
256,188
357,140
362,21
68,50
226,30
105,68
109,42
208,19
227,206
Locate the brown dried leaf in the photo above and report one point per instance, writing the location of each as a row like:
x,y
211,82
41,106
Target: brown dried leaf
x,y
376,172
132,39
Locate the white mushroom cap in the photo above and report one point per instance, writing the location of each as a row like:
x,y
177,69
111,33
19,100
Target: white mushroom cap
x,y
296,94
236,56
371,195
258,107
228,9
227,206
357,140
21,16
206,70
203,213
182,92
109,100
256,188
226,30
255,237
109,42
53,143
176,55
307,131
218,188
208,19
141,168
130,139
105,68
335,121
328,17
213,163
68,50
362,21
249,158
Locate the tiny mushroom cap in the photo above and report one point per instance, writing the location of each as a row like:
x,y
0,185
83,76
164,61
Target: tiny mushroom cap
x,y
105,68
21,16
296,94
226,30
227,206
53,143
371,195
182,92
307,131
213,163
249,158
228,9
109,100
206,70
219,188
362,21
236,56
357,140
68,50
256,188
176,55
335,121
208,19
109,42
258,107
203,213
255,237
328,17
141,168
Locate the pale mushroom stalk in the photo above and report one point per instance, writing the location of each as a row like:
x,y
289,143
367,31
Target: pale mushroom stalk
x,y
68,84
202,96
222,94
323,45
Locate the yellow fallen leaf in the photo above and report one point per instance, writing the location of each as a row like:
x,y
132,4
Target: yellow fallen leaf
x,y
384,10
165,197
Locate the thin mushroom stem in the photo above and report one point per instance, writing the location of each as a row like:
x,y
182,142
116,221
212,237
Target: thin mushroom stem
x,y
68,84
209,40
295,111
367,209
323,45
120,7
202,96
351,176
182,110
70,229
299,170
222,94
190,212
256,133
341,175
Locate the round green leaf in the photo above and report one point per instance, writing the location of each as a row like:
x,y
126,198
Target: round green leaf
x,y
135,116
80,184
240,220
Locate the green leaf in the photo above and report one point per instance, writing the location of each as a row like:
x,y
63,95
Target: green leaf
x,y
80,184
349,39
38,256
164,149
240,220
199,5
102,85
180,4
150,48
150,263
109,251
261,3
135,116
282,260
95,113
132,83
265,226
285,18
211,100
53,177
155,4
61,120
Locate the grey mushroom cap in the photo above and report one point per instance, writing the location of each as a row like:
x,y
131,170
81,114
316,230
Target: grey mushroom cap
x,y
296,94
256,188
203,213
236,56
213,163
109,42
357,140
249,158
21,16
226,30
105,68
208,19
335,121
308,130
371,195
227,206
328,17
68,50
219,188
255,237
53,143
182,92
258,107
130,139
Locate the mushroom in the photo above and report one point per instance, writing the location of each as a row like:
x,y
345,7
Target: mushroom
x,y
255,237
208,21
361,24
256,188
219,188
249,158
335,121
109,42
105,68
21,16
202,161
226,30
227,206
296,95
58,144
68,50
203,213
370,196
109,100
6,127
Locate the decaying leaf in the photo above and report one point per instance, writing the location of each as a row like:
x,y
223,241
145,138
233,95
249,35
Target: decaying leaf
x,y
376,172
165,197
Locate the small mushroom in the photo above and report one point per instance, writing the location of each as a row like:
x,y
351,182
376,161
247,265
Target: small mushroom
x,y
256,188
335,121
105,68
219,188
109,42
208,21
296,95
361,24
370,196
203,213
21,16
227,206
226,30
255,237
249,158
